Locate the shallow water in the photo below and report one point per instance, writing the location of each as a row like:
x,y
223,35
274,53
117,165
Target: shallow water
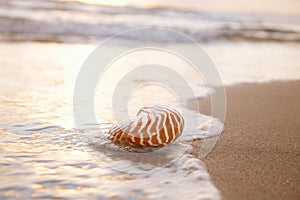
x,y
42,161
44,156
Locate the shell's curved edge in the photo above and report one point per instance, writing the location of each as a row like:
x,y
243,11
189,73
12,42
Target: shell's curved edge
x,y
153,127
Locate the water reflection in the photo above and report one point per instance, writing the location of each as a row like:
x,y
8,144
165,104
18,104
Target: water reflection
x,y
42,156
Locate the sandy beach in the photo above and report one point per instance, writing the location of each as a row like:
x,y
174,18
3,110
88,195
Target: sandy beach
x,y
258,154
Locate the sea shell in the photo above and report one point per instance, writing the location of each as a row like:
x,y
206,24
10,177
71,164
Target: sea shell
x,y
153,127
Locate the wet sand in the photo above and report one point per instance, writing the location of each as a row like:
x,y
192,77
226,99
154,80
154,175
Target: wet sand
x,y
258,154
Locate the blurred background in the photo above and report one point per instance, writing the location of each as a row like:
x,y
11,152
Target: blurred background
x,y
250,41
90,21
43,43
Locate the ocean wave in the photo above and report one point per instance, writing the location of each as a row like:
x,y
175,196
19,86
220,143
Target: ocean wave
x,y
73,22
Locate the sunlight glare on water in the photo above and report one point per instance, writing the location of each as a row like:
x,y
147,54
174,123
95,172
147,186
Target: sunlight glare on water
x,y
44,156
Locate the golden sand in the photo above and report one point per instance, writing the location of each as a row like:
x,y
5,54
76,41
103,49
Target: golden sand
x,y
258,154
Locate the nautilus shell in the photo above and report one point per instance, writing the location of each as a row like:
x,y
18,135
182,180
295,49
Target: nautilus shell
x,y
153,127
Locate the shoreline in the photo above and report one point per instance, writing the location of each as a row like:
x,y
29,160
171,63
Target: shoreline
x,y
258,154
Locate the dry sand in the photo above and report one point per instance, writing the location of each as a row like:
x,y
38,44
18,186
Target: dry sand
x,y
258,154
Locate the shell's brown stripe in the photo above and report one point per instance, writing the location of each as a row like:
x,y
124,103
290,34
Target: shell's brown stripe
x,y
154,141
118,135
147,135
154,126
129,139
175,125
170,134
171,123
115,131
162,132
160,127
133,131
163,136
143,129
140,122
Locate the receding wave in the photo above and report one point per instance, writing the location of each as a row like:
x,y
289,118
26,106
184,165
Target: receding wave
x,y
73,22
